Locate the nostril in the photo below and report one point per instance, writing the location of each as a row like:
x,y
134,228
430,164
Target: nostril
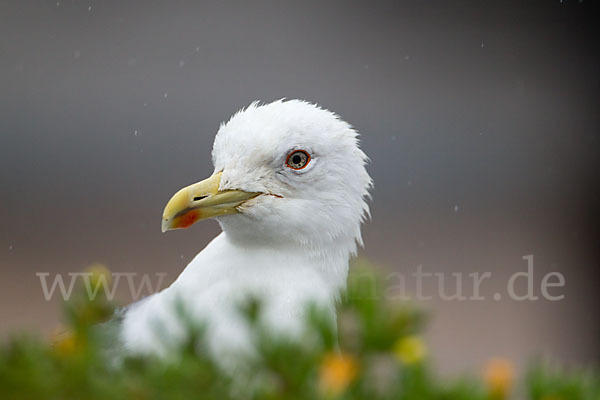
x,y
199,198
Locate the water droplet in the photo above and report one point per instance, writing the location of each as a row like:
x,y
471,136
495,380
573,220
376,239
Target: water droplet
x,y
89,8
181,63
135,133
10,247
165,95
456,208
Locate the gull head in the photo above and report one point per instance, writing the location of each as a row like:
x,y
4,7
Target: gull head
x,y
288,172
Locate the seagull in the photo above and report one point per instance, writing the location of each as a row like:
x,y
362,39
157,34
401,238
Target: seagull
x,y
290,191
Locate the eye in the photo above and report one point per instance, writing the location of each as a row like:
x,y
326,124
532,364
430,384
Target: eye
x,y
297,159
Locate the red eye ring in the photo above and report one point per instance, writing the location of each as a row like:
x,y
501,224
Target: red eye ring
x,y
297,160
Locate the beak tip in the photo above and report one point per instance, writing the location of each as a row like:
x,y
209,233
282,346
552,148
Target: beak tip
x,y
164,226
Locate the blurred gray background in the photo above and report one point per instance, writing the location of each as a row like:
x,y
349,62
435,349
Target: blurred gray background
x,y
481,120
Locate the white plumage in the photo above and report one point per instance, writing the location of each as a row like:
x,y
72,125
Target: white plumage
x,y
287,234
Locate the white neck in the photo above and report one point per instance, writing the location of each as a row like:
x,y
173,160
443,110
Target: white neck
x,y
251,259
329,256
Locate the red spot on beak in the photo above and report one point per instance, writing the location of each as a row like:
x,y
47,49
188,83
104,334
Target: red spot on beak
x,y
188,219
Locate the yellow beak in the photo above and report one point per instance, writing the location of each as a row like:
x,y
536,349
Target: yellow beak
x,y
200,201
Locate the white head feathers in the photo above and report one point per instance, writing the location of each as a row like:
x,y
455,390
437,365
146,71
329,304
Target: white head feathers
x,y
319,206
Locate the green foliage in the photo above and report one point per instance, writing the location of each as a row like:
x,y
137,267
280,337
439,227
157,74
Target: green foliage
x,y
552,383
379,355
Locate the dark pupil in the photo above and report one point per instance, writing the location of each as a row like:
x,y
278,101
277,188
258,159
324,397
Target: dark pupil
x,y
296,159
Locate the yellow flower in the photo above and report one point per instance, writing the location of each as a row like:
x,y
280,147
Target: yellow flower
x,y
410,349
499,375
337,372
66,343
100,275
